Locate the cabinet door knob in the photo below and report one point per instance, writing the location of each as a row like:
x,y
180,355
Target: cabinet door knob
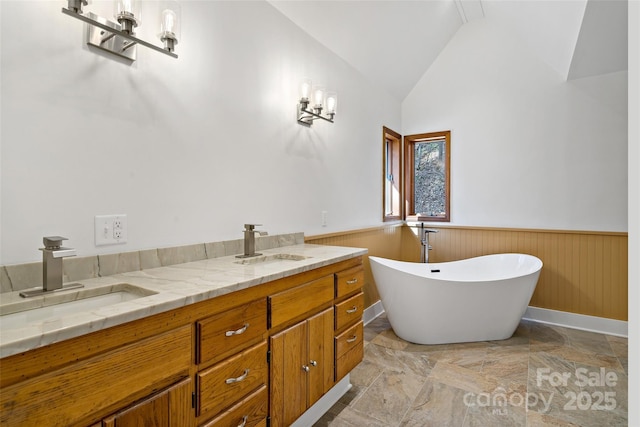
x,y
238,379
305,368
352,339
244,421
313,363
352,310
352,281
237,331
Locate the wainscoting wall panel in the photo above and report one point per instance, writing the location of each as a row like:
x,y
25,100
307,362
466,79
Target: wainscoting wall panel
x,y
585,272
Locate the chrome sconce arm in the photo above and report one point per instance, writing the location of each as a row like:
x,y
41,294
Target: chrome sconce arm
x,y
306,116
118,37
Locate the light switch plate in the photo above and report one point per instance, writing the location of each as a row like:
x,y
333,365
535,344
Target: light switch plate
x,y
110,229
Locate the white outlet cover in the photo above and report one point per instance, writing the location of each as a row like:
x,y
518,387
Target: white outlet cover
x,y
110,229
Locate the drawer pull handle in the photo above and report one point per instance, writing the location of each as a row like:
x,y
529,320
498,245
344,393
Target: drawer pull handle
x,y
352,339
352,310
244,421
237,331
313,363
352,281
238,379
305,368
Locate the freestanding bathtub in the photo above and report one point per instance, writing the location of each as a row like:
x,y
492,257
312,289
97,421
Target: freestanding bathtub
x,y
475,299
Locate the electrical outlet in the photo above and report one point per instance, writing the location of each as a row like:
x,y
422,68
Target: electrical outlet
x,y
324,218
110,229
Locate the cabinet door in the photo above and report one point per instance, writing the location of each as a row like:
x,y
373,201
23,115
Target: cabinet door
x,y
320,360
288,384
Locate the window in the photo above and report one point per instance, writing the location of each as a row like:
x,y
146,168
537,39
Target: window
x,y
392,175
427,172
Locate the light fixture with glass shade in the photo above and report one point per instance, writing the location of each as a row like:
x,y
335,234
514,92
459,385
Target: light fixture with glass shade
x,y
169,24
313,100
118,37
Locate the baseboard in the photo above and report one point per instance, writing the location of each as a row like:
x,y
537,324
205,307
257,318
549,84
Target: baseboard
x,y
565,319
373,311
577,321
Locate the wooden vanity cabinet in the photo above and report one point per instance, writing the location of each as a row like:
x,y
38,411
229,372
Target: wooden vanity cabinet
x,y
173,368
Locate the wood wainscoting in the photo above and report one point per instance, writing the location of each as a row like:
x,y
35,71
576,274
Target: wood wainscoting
x,y
585,272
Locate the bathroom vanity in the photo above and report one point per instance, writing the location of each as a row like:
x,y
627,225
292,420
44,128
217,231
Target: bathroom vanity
x,y
221,342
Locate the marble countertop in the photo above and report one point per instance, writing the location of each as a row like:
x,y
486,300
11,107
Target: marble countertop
x,y
173,286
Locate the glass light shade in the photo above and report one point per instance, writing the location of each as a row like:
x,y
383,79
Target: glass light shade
x,y
128,8
318,97
169,20
305,89
332,102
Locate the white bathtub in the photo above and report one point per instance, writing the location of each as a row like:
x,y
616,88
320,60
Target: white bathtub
x,y
476,299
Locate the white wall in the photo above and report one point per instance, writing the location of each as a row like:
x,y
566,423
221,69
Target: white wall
x,y
529,149
189,149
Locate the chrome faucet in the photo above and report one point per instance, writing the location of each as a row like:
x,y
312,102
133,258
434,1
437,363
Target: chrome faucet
x,y
424,241
250,240
52,255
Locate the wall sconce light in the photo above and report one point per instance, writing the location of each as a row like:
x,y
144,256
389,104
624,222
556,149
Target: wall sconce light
x,y
119,37
313,100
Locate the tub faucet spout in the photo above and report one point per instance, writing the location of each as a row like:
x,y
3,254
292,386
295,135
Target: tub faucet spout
x,y
425,246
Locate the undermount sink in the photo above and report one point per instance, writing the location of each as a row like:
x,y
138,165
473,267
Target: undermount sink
x,y
263,259
47,307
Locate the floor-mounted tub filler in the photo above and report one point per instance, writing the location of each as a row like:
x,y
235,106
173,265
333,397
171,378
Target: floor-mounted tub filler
x,y
475,299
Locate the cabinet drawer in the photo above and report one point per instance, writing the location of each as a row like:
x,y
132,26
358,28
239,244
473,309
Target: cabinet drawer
x,y
249,412
231,331
348,361
349,281
223,384
349,350
292,303
349,311
349,339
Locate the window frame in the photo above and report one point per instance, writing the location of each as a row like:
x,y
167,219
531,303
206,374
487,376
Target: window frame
x,y
392,144
409,171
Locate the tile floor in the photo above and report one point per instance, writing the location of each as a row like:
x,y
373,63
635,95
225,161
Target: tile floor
x,y
542,376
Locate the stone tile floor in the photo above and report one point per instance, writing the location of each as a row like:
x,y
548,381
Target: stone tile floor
x,y
542,376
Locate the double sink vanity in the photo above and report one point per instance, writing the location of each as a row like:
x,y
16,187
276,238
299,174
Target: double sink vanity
x,y
221,341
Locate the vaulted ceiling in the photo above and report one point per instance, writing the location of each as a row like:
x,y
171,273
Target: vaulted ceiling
x,y
394,42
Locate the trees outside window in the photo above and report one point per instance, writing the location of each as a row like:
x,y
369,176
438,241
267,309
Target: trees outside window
x,y
427,175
